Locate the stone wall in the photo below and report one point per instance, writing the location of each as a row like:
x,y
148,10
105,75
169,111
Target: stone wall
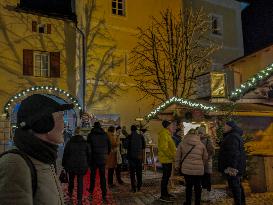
x,y
4,132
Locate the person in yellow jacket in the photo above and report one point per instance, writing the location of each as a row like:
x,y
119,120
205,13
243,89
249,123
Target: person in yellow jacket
x,y
166,155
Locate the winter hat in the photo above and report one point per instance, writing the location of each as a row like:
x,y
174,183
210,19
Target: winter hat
x,y
133,128
231,124
166,123
35,112
97,125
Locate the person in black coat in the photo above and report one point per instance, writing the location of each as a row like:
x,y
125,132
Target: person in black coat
x,y
232,160
136,146
75,162
101,147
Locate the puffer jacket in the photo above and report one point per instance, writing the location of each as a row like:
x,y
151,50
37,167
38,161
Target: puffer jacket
x,y
166,147
232,152
76,155
99,144
16,186
195,161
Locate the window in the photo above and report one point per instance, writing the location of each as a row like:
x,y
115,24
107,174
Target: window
x,y
216,25
41,64
118,7
41,28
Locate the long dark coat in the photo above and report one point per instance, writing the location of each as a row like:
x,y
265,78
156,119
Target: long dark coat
x,y
232,153
76,155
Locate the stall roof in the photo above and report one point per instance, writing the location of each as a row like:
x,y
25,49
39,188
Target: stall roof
x,y
246,109
188,103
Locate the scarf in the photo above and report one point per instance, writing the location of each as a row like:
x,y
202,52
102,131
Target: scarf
x,y
43,151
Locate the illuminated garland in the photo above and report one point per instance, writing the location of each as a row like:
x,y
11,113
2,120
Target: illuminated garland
x,y
252,82
25,92
181,101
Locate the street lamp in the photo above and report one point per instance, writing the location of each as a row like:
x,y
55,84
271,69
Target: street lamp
x,y
83,66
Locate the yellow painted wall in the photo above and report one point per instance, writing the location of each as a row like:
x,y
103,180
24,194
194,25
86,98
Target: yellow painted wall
x,y
123,30
16,34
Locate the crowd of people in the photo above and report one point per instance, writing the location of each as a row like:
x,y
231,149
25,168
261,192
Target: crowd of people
x,y
193,159
102,151
28,173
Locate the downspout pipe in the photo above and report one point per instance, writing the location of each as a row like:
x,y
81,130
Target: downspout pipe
x,y
83,66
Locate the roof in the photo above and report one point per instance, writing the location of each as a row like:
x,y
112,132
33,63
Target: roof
x,y
247,109
189,103
257,80
245,57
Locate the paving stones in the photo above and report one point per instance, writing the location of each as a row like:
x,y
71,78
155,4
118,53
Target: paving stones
x,y
150,193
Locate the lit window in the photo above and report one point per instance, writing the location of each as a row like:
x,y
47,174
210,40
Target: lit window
x,y
118,7
41,64
216,25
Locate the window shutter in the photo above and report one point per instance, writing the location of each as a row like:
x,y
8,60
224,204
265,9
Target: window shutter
x,y
34,26
48,29
55,64
27,62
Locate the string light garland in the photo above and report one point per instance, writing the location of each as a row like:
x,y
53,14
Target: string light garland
x,y
252,82
181,101
49,89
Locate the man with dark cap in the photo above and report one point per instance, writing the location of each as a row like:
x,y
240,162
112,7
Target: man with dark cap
x,y
100,145
136,146
232,160
27,174
166,155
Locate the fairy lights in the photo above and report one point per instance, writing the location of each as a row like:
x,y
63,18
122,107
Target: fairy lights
x,y
252,82
190,103
24,93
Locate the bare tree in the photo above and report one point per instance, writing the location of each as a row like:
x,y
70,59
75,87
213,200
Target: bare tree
x,y
171,52
101,57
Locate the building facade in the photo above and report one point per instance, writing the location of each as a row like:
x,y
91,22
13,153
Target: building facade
x,y
38,55
42,50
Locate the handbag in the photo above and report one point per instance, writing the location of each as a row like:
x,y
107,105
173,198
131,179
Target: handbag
x,y
63,177
184,159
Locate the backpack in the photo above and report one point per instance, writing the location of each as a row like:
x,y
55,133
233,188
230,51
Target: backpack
x,y
30,164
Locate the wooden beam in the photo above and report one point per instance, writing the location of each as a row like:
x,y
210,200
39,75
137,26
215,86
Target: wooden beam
x,y
250,114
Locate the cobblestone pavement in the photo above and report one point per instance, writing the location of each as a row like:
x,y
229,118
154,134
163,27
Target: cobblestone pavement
x,y
150,193
146,196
